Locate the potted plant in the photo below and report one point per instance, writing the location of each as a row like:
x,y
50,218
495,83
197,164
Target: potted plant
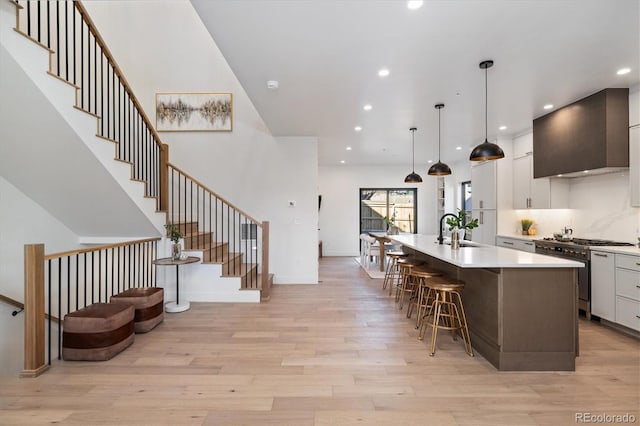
x,y
526,226
460,222
392,229
174,234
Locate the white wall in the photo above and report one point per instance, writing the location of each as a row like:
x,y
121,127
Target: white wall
x,y
340,215
164,47
22,221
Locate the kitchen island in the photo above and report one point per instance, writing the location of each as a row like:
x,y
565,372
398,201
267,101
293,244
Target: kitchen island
x,y
522,308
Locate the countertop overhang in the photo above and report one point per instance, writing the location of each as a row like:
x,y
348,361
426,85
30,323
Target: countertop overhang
x,y
480,255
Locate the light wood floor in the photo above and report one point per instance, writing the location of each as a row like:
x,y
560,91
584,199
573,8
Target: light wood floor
x,y
339,353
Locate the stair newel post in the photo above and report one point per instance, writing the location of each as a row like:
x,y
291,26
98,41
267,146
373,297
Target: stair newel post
x,y
265,260
164,177
34,333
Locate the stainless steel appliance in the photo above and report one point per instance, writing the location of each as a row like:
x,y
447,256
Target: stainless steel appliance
x,y
576,249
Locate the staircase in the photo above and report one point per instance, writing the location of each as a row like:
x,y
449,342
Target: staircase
x,y
85,87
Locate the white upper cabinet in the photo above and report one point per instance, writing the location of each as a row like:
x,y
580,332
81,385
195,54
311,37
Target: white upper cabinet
x,y
483,182
634,165
530,193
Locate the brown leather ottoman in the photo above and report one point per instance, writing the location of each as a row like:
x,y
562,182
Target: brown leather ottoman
x,y
97,332
149,305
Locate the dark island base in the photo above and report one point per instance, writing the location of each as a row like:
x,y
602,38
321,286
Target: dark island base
x,y
520,319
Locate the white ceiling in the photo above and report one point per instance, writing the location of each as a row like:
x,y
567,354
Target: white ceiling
x,y
326,55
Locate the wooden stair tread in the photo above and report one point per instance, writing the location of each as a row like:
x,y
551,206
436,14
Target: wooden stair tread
x,y
240,270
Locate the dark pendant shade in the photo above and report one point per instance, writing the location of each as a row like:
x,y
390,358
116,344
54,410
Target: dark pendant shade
x,y
486,151
413,177
439,169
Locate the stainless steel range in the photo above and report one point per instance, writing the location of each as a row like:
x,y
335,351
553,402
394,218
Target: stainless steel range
x,y
576,249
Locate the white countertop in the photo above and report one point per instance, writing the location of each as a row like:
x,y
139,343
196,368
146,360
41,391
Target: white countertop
x,y
522,237
632,250
481,256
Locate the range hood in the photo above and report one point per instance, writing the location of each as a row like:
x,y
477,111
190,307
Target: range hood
x,y
591,135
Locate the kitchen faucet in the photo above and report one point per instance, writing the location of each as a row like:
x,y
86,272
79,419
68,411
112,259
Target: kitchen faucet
x,y
440,238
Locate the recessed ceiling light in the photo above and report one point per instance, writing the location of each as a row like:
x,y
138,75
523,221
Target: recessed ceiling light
x,y
357,128
415,4
623,71
341,161
548,106
503,127
458,148
273,84
348,148
586,171
560,175
430,161
367,107
383,72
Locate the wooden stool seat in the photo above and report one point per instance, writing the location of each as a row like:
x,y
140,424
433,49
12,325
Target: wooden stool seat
x,y
446,312
97,332
148,303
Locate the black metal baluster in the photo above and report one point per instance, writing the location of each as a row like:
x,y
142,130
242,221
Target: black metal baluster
x,y
119,270
48,25
77,281
29,18
112,270
68,284
82,85
107,100
100,278
93,279
38,14
74,44
88,69
95,75
102,99
49,307
59,306
210,228
85,280
66,40
57,35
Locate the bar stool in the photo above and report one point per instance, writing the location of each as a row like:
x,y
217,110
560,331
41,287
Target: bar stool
x,y
446,312
393,271
407,283
421,296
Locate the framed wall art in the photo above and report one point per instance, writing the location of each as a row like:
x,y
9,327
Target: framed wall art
x,y
194,112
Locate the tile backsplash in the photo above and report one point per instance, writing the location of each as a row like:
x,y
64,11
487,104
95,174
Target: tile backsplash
x,y
599,208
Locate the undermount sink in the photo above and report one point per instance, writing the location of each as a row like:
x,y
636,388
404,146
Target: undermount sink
x,y
461,244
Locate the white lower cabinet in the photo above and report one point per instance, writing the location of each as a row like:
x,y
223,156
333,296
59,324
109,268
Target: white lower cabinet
x,y
628,291
516,244
603,285
615,288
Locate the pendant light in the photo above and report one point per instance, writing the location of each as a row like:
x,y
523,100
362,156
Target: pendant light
x,y
486,150
413,177
439,169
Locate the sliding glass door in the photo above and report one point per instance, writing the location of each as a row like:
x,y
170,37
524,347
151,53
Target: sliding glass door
x,y
398,205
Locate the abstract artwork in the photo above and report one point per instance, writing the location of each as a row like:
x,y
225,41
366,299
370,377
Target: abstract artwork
x,y
193,112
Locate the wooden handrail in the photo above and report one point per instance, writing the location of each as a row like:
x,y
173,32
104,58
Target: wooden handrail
x,y
10,301
116,68
256,221
98,248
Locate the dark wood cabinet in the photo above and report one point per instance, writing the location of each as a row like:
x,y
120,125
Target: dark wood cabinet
x,y
592,133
